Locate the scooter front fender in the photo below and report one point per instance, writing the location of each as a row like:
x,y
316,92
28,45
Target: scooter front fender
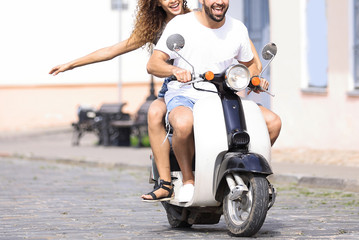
x,y
240,163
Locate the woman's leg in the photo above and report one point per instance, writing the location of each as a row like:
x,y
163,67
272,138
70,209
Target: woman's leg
x,y
160,148
274,123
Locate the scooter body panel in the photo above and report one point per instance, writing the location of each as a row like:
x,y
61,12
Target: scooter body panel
x,y
244,162
241,163
257,130
256,159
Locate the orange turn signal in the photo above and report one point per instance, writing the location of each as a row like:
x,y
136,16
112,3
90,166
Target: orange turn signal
x,y
256,81
209,75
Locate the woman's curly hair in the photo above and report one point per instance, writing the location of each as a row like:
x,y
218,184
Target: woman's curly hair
x,y
149,22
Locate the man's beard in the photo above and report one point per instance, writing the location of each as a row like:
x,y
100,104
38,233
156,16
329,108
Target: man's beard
x,y
213,17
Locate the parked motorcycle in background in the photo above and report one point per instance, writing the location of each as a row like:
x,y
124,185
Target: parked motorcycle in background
x,y
232,154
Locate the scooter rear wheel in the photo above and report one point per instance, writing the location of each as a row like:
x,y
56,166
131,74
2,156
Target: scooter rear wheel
x,y
245,216
173,216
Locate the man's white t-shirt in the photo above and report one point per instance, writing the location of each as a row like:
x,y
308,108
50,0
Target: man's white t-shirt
x,y
206,49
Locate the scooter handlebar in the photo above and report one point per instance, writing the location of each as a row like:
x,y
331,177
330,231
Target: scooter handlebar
x,y
205,76
254,85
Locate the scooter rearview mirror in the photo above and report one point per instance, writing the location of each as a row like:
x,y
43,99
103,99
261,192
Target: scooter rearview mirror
x,y
269,51
175,42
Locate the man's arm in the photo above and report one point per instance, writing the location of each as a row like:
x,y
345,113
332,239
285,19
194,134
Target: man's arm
x,y
158,66
255,65
252,67
257,62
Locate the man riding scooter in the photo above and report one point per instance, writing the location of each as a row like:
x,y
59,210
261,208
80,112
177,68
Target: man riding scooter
x,y
214,41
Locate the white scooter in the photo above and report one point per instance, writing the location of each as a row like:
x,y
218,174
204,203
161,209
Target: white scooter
x,y
232,156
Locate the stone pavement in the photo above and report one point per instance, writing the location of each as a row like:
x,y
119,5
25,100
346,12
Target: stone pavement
x,y
305,168
44,200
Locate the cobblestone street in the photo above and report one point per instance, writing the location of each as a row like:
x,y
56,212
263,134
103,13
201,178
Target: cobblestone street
x,y
46,200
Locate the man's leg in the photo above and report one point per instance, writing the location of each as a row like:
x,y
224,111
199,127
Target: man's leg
x,y
181,119
274,123
160,148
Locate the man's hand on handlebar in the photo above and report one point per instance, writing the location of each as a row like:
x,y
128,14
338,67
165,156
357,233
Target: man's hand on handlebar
x,y
182,75
263,87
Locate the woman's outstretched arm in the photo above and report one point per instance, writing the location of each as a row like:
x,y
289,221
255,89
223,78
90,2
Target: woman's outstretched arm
x,y
99,55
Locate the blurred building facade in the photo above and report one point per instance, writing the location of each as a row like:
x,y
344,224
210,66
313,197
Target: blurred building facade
x,y
315,75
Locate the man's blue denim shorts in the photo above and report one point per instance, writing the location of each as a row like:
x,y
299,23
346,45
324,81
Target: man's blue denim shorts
x,y
173,103
179,101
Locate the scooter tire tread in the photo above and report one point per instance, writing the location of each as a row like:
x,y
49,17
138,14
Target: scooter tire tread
x,y
258,212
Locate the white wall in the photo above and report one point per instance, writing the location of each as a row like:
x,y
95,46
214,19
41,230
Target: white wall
x,y
37,35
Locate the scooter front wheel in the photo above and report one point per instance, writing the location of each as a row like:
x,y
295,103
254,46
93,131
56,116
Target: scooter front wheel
x,y
245,216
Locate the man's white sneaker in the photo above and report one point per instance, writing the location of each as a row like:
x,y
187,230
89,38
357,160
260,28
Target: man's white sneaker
x,y
186,193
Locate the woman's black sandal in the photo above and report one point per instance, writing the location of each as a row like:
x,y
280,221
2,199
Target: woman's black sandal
x,y
160,199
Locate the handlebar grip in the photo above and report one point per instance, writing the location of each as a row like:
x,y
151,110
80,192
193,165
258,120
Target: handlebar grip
x,y
173,78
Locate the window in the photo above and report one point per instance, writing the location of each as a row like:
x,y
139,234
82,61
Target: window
x,y
317,43
356,44
256,18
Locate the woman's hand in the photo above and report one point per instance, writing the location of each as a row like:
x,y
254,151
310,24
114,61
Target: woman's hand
x,y
60,68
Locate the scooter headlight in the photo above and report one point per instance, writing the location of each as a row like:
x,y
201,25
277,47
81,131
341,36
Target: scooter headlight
x,y
237,77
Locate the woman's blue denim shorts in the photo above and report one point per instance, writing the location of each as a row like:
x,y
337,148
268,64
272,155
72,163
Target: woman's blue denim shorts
x,y
164,88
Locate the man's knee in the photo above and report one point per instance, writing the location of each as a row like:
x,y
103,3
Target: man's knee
x,y
275,122
182,122
183,127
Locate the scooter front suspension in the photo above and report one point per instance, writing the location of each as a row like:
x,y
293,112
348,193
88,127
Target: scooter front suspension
x,y
236,186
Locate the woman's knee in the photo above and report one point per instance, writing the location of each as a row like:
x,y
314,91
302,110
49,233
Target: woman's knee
x,y
156,112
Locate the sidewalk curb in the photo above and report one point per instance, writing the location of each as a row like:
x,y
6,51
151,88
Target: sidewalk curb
x,y
69,161
35,133
318,182
306,181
